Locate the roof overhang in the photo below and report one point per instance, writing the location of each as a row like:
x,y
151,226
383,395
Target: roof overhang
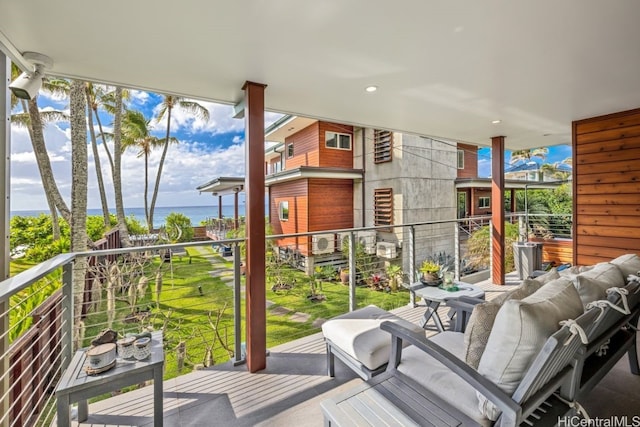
x,y
509,184
445,69
306,172
287,126
223,185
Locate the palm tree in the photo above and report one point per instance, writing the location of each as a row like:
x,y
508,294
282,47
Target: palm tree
x,y
528,154
136,133
90,93
78,122
33,119
169,102
118,96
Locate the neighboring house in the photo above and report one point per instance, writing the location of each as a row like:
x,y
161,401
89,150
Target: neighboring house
x,y
533,171
328,176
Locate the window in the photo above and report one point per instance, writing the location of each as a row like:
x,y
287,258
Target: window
x,y
289,150
340,141
382,146
283,210
460,159
383,206
484,202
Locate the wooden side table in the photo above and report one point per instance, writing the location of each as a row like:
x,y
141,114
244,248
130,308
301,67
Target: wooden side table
x,y
77,386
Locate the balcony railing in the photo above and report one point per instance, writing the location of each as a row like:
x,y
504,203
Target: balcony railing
x,y
193,292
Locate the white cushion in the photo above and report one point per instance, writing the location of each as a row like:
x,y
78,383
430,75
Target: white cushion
x,y
437,378
359,335
520,330
600,278
629,264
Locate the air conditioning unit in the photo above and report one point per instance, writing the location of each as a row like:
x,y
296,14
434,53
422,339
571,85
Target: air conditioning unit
x,y
386,250
343,239
323,244
368,240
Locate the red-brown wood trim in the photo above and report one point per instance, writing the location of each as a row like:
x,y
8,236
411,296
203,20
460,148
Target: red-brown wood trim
x,y
254,201
574,188
497,209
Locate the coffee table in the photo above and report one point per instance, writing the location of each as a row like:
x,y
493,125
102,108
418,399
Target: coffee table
x,y
433,296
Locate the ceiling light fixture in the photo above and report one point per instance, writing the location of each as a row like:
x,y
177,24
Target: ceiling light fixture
x,y
371,88
27,85
495,122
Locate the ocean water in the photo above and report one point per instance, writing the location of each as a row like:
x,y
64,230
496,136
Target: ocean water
x,y
197,214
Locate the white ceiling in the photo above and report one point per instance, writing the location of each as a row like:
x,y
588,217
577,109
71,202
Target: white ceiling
x,y
443,68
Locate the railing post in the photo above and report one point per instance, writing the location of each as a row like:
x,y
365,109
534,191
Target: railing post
x,y
490,251
412,263
66,340
237,315
523,233
456,250
5,179
352,271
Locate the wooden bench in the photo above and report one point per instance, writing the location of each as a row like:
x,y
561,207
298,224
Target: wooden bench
x,y
563,371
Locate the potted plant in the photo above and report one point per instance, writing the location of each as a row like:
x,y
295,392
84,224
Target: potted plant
x,y
431,273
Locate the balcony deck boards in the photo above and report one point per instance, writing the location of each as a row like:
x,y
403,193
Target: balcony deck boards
x,y
289,391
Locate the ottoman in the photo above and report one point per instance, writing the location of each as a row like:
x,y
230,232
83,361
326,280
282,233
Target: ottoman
x,y
356,339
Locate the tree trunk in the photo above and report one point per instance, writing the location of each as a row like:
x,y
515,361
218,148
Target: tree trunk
x,y
146,192
117,173
96,160
78,196
104,140
160,166
44,164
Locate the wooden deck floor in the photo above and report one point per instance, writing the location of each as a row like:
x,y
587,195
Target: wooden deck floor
x,y
289,391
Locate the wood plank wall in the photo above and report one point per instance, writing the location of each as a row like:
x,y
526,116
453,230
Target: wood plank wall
x,y
606,187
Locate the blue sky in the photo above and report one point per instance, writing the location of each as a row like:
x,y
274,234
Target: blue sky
x,y
556,154
205,151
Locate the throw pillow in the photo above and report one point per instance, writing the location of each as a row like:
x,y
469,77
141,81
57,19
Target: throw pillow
x,y
629,264
520,330
590,289
483,316
548,276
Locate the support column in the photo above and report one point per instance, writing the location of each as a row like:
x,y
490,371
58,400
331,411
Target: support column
x,y
5,176
254,192
219,207
497,210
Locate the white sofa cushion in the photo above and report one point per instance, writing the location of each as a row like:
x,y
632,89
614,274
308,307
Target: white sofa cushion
x,y
519,332
629,264
483,316
435,377
593,284
359,335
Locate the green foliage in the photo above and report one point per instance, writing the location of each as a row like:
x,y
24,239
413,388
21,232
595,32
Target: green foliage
x,y
175,221
25,302
134,226
479,244
558,201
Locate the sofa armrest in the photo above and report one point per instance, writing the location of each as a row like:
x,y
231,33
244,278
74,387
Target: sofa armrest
x,y
511,411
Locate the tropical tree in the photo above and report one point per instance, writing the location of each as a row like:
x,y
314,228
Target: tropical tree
x,y
169,102
90,94
118,96
79,173
528,154
33,119
136,133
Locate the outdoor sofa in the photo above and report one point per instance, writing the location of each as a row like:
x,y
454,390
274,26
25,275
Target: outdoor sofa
x,y
530,354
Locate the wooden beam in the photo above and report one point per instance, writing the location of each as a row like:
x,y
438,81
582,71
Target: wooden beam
x,y
255,263
497,210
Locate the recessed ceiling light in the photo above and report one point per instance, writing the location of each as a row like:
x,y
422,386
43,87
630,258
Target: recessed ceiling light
x,y
371,88
495,122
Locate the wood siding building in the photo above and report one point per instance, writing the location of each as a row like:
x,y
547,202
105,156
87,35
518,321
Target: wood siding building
x,y
606,187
